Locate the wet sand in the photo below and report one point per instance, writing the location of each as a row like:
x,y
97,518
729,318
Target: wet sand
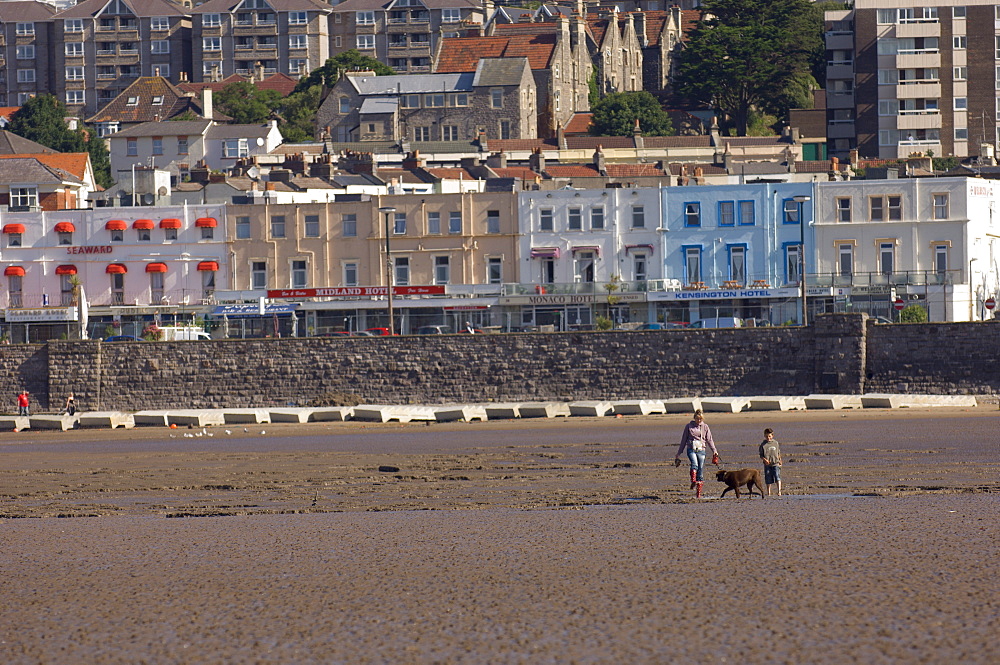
x,y
526,542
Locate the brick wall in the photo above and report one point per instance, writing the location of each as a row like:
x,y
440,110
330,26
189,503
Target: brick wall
x,y
837,354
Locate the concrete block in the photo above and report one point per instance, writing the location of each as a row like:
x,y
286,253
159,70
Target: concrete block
x,y
725,404
60,422
109,419
639,407
372,412
543,409
776,403
244,416
502,411
8,423
682,404
196,417
591,408
333,413
290,415
467,412
833,401
151,418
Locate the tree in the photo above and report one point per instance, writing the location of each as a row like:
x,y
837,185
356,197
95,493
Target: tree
x,y
747,54
330,72
298,114
913,314
615,115
42,119
247,104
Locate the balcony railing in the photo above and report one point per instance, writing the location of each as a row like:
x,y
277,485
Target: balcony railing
x,y
901,278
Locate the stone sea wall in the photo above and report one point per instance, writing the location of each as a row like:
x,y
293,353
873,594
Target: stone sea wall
x,y
836,354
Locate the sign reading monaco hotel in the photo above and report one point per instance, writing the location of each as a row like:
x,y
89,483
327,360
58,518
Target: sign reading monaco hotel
x,y
356,292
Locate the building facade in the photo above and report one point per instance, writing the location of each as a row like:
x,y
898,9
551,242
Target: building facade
x,y
26,67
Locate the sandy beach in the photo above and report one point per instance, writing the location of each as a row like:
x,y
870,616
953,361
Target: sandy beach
x,y
564,541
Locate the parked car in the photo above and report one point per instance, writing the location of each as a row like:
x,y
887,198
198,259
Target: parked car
x,y
756,323
123,338
433,330
666,325
718,322
378,332
882,319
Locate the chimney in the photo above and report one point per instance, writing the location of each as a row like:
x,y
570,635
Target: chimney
x,y
561,138
413,161
637,135
206,103
599,161
280,175
474,30
713,131
269,186
639,21
258,70
321,169
536,161
200,172
853,157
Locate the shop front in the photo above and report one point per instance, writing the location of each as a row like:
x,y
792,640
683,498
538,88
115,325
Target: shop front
x,y
764,305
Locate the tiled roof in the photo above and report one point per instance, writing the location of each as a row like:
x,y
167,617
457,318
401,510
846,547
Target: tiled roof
x,y
462,54
227,6
19,169
143,91
655,22
571,171
597,24
451,174
579,123
283,83
753,140
173,128
707,169
504,145
90,8
355,5
813,166
689,19
634,170
677,141
72,163
520,172
25,11
7,111
12,144
591,142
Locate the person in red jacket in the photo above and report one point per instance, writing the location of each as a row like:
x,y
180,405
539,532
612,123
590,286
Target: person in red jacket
x,y
23,402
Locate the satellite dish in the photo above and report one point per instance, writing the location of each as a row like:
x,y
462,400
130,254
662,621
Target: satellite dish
x,y
148,199
162,191
260,140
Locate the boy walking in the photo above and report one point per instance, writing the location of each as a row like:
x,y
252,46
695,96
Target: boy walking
x,y
770,454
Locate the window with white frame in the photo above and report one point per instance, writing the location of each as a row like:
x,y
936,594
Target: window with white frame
x,y
496,98
25,29
843,209
117,235
14,286
727,213
958,12
748,216
960,73
638,217
692,265
26,76
692,214
211,43
888,77
793,264
74,73
961,103
584,267
211,20
940,206
349,225
208,233
442,270
421,133
131,147
312,226
399,224
300,274
888,136
545,219
233,148
449,133
451,15
277,226
350,273
299,66
75,97
876,209
454,222
640,267
298,42
494,270
24,196
790,211
888,107
574,219
887,257
738,263
364,18
157,145
159,46
845,259
159,23
366,42
73,25
959,42
243,227
298,18
26,51
433,223
13,239
597,218
941,259
401,272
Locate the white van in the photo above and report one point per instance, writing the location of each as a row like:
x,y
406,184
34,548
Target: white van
x,y
183,333
718,322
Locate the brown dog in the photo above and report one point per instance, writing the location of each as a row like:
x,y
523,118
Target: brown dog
x,y
737,479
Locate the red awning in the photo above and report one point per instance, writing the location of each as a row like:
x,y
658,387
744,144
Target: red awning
x,y
206,223
65,227
116,225
13,228
170,223
587,248
143,224
65,270
116,269
13,271
207,266
156,267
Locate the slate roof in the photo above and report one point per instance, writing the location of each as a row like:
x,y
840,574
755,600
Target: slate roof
x,y
227,6
18,169
504,145
499,71
144,89
12,144
401,176
376,105
702,141
25,11
462,54
238,131
411,83
282,83
174,128
90,8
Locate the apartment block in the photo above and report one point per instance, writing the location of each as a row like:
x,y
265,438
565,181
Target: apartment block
x,y
25,64
903,79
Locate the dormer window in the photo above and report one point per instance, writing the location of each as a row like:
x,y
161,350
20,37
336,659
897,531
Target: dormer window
x,y
157,100
132,101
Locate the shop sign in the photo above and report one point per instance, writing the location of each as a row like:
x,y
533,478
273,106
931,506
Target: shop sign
x,y
356,292
41,314
572,299
89,249
726,294
872,290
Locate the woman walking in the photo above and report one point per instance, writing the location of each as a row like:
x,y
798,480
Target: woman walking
x,y
695,438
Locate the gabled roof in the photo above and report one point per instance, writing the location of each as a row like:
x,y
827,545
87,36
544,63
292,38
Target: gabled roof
x,y
579,123
706,169
12,144
25,11
172,128
634,170
462,54
228,6
90,8
20,169
451,173
571,171
499,71
368,5
519,172
73,164
238,131
282,83
505,145
411,83
143,92
7,111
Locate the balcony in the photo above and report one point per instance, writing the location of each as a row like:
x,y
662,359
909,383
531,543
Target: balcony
x,y
905,148
899,278
919,28
840,100
840,70
918,59
924,89
926,119
839,40
265,29
128,35
840,129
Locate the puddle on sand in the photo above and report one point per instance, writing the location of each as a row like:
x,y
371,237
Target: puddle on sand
x,y
822,496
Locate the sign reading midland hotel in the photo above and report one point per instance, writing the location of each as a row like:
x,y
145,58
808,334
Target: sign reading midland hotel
x,y
356,292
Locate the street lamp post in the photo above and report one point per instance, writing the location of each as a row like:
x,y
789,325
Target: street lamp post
x,y
387,211
801,200
972,291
